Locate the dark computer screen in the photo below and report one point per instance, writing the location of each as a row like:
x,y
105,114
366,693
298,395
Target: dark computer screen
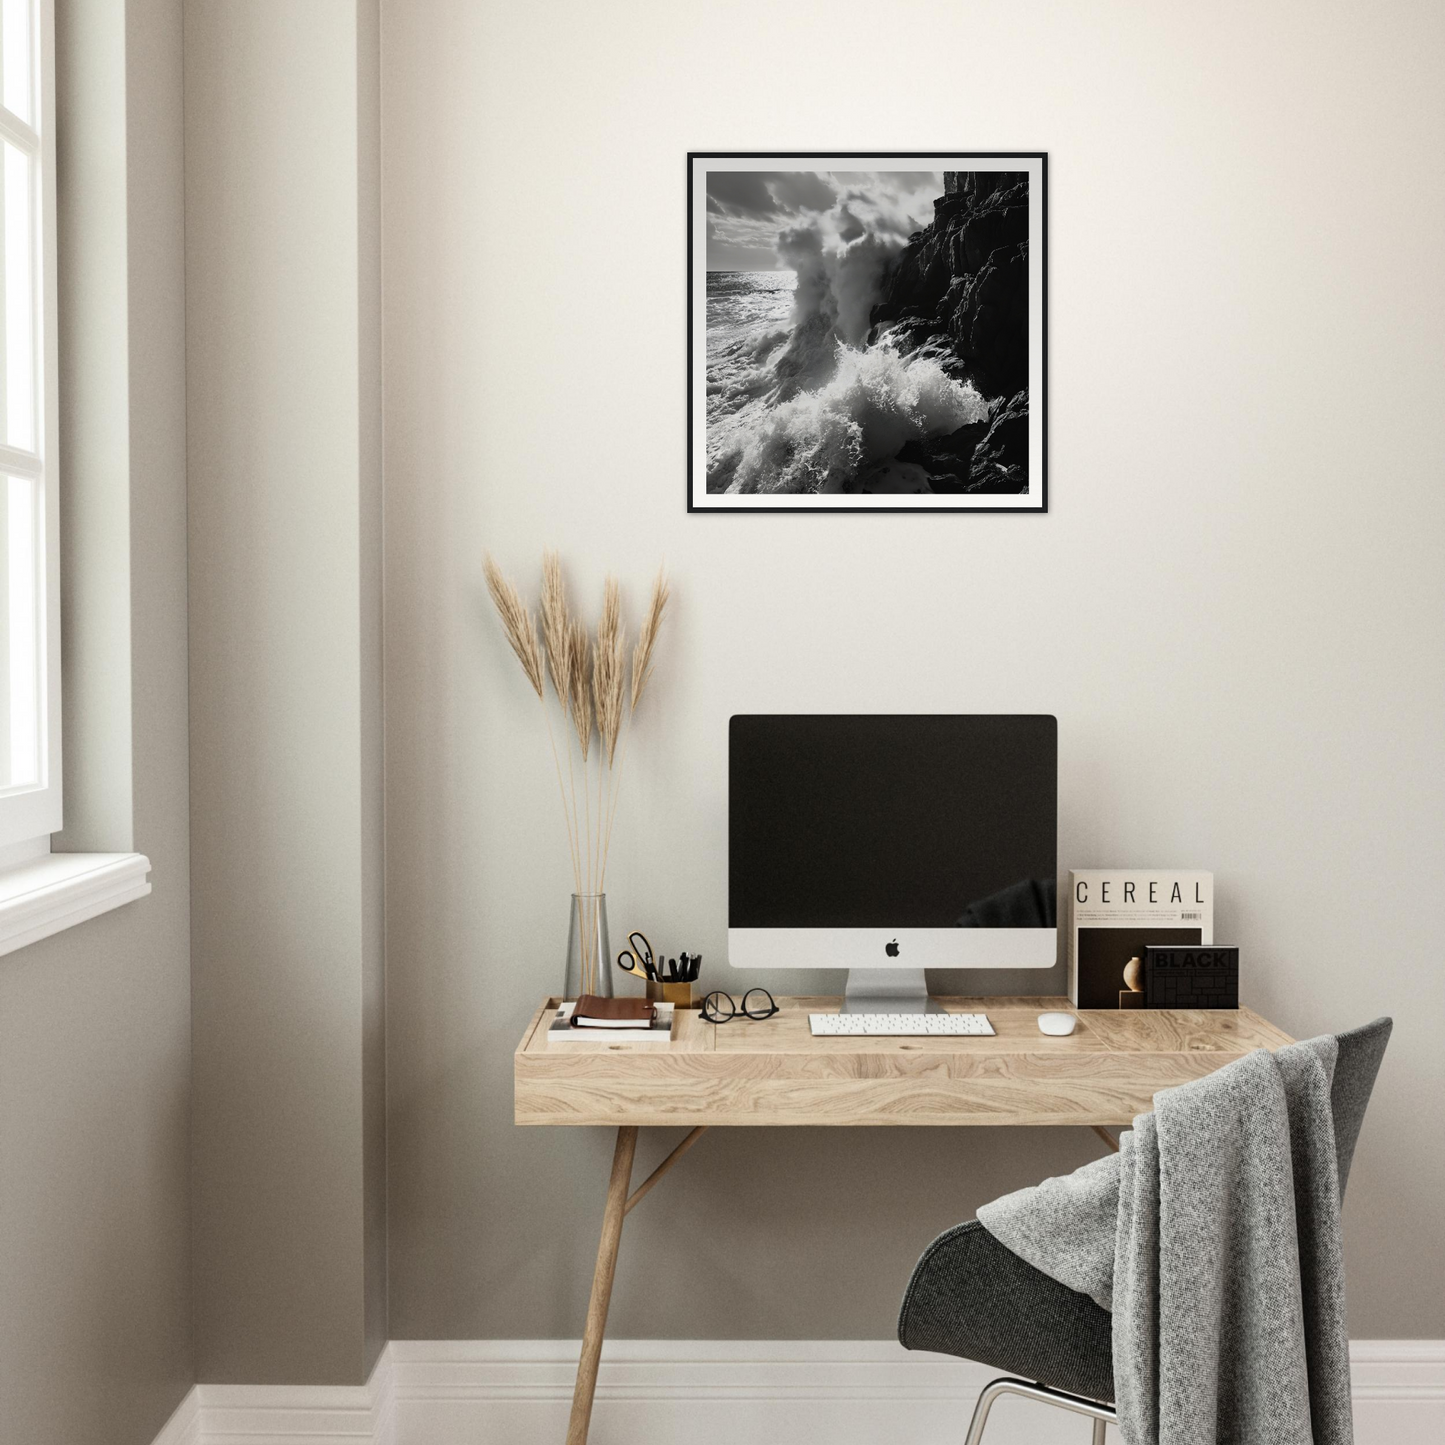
x,y
915,821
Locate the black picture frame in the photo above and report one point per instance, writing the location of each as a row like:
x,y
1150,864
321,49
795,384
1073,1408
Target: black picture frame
x,y
1037,504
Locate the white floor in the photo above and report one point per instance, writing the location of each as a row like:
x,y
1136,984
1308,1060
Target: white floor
x,y
714,1392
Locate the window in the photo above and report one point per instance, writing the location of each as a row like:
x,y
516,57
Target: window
x,y
41,892
30,797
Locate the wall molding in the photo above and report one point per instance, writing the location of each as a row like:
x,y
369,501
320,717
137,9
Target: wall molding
x,y
709,1392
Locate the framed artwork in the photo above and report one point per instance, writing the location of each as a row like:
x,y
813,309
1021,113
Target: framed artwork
x,y
867,332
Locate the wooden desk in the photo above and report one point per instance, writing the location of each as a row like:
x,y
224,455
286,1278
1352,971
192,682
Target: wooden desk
x,y
770,1072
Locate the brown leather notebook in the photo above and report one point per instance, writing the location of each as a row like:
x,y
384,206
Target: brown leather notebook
x,y
593,1012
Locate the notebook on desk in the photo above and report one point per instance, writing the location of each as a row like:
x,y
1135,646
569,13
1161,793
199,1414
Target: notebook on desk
x,y
562,1032
594,1012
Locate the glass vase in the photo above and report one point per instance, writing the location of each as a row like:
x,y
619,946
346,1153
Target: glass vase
x,y
589,952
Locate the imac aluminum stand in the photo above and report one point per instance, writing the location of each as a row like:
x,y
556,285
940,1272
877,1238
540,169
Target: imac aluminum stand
x,y
887,991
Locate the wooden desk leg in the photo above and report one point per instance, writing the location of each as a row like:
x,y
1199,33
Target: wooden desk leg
x,y
641,1192
1106,1136
612,1216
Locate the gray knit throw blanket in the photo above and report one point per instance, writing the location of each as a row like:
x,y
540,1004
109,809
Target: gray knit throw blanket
x,y
1214,1237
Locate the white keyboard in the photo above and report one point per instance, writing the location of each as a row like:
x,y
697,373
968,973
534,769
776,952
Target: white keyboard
x,y
912,1026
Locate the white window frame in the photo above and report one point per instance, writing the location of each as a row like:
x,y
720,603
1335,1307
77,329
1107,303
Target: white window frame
x,y
42,892
29,815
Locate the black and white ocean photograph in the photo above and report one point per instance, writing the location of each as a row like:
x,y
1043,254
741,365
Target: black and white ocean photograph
x,y
866,338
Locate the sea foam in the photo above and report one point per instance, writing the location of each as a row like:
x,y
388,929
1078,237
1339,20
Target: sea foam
x,y
820,440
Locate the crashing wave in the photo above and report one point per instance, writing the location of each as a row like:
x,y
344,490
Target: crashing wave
x,y
820,440
834,293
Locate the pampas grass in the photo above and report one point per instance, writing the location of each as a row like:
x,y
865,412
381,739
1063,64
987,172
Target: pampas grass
x,y
609,672
516,623
579,686
647,636
596,701
555,634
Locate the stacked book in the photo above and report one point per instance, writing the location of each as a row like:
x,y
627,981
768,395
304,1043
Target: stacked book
x,y
611,1021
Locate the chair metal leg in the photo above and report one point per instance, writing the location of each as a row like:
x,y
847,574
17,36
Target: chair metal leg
x,y
980,1411
1100,1414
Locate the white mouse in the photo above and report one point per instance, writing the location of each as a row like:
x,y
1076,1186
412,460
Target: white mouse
x,y
1057,1023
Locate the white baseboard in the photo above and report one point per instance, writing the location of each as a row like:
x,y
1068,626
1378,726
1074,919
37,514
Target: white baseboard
x,y
712,1392
184,1427
288,1414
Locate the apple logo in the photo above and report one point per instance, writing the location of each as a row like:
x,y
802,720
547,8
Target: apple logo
x,y
891,949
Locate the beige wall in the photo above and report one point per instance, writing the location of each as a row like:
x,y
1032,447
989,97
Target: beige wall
x,y
95,1344
1234,606
282,320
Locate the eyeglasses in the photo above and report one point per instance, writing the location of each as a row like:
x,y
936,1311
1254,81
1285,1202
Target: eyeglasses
x,y
719,1008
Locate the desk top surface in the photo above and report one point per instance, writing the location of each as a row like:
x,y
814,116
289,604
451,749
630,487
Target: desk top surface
x,y
771,1072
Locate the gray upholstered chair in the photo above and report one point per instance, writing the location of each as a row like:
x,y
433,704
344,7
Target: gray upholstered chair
x,y
972,1297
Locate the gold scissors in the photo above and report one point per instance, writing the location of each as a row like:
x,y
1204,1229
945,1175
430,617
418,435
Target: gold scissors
x,y
637,958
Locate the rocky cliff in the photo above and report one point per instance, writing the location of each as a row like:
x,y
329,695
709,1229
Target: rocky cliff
x,y
959,294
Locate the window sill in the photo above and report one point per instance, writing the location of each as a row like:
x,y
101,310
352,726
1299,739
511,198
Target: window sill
x,y
59,890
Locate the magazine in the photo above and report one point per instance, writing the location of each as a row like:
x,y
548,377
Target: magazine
x,y
1114,913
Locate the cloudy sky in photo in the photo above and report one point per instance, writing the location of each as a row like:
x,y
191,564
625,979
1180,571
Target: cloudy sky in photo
x,y
746,210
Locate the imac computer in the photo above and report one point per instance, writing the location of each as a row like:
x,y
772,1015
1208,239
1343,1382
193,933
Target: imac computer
x,y
890,844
